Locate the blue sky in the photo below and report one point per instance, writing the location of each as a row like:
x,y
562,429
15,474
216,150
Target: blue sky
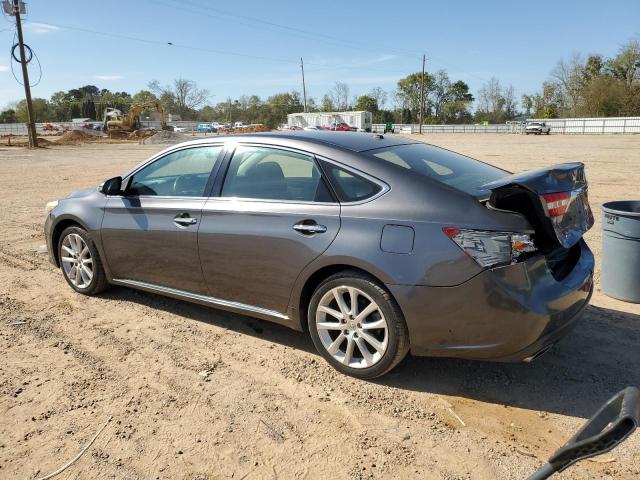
x,y
253,47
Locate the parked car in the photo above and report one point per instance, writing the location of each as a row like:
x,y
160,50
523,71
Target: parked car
x,y
177,129
313,128
340,127
537,128
205,128
376,244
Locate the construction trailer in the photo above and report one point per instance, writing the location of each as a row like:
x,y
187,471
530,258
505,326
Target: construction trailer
x,y
361,121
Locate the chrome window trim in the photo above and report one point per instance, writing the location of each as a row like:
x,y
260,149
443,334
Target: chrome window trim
x,y
272,200
199,297
162,197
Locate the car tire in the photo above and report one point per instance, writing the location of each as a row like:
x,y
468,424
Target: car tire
x,y
365,343
80,262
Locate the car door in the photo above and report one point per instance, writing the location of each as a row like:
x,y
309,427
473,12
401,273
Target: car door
x,y
150,233
272,216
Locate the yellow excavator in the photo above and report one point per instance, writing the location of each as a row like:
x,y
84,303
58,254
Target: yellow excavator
x,y
115,123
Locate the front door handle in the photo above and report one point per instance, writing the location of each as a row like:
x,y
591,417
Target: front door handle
x,y
309,228
185,221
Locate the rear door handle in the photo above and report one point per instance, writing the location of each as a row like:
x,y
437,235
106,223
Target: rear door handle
x,y
309,228
185,221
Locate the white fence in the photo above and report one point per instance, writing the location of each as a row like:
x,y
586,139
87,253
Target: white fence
x,y
570,126
415,128
593,126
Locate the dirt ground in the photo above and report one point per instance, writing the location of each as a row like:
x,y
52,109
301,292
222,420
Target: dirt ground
x,y
196,393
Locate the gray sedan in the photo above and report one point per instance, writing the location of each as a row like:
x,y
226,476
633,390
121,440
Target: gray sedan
x,y
377,245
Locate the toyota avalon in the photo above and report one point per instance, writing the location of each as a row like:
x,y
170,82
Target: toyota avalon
x,y
377,245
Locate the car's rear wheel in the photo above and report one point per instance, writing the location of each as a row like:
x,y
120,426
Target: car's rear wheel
x,y
80,262
357,326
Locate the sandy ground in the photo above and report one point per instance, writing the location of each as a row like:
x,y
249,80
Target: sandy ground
x,y
196,393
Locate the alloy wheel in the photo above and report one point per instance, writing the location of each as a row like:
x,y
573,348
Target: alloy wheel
x,y
76,260
352,327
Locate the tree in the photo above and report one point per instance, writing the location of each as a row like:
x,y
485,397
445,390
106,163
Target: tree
x,y
547,103
41,110
496,103
279,105
327,104
339,96
569,74
83,92
366,103
207,114
8,116
440,94
409,93
510,102
626,65
527,104
88,108
380,95
593,68
183,96
459,99
143,96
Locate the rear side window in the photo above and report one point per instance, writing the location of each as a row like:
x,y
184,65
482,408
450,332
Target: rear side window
x,y
348,186
453,169
274,174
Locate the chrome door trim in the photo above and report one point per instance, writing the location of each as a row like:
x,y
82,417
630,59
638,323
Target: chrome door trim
x,y
199,297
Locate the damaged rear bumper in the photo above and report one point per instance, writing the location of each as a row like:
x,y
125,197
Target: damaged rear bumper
x,y
510,313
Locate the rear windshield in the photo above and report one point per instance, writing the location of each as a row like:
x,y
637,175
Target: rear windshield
x,y
453,169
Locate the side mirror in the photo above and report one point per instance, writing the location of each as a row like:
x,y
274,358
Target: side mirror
x,y
608,428
113,186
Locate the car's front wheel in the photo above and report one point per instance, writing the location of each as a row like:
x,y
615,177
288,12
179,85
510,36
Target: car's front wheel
x,y
357,326
80,262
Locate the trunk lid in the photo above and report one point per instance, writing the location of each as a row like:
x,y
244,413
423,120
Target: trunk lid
x,y
554,200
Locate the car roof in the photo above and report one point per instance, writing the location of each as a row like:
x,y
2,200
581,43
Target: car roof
x,y
353,141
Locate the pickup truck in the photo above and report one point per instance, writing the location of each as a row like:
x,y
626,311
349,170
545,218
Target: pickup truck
x,y
537,128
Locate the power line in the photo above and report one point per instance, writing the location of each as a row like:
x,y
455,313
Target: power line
x,y
171,44
208,50
319,36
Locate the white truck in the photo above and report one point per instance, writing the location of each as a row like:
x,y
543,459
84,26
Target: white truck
x,y
358,121
537,128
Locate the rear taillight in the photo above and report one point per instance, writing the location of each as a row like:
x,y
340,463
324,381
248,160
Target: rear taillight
x,y
491,249
557,203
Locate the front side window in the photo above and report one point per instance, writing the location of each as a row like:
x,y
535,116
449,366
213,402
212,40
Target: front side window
x,y
183,173
274,174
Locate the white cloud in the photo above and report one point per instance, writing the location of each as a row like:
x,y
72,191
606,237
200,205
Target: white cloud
x,y
384,58
40,28
4,68
109,77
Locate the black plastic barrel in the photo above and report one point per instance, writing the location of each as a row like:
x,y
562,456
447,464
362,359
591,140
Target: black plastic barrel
x,y
621,250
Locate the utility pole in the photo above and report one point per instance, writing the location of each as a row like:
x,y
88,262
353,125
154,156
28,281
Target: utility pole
x,y
31,126
424,59
304,88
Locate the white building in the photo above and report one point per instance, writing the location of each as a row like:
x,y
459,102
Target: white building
x,y
359,120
